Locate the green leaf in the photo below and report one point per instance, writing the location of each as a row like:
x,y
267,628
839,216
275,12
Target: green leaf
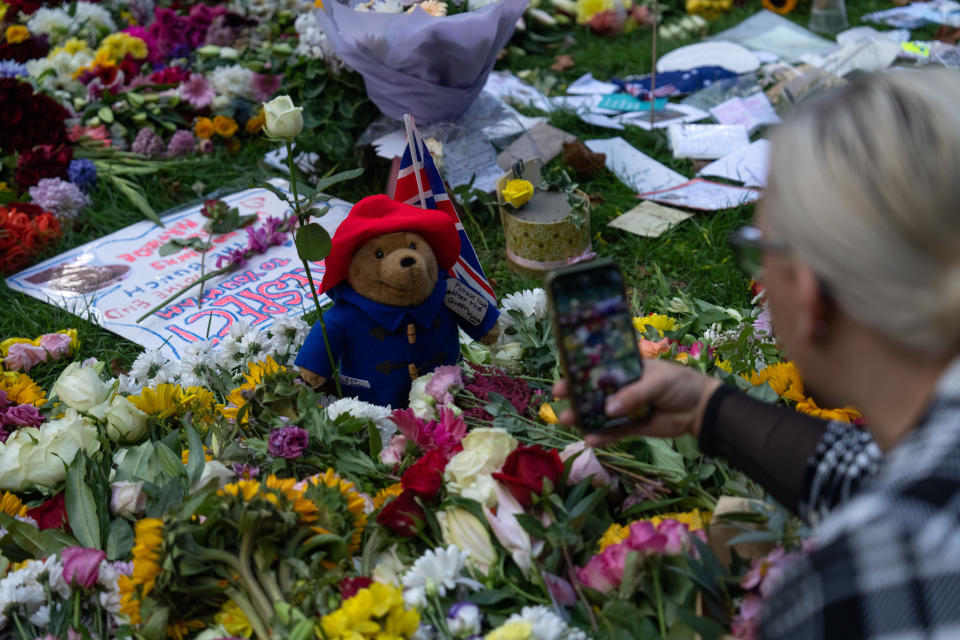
x,y
343,176
169,461
195,461
708,629
138,464
489,597
373,436
39,544
119,539
531,525
81,505
136,199
105,114
304,190
313,242
177,244
663,455
275,191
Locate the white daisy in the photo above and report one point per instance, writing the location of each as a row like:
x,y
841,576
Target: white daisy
x,y
359,409
547,625
95,19
197,363
436,572
529,302
153,367
54,23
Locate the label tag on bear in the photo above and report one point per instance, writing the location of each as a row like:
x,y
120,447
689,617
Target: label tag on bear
x,y
354,382
465,302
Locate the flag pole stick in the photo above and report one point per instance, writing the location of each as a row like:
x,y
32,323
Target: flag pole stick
x,y
413,141
653,73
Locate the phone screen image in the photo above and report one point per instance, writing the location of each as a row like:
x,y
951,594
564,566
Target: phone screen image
x,y
597,340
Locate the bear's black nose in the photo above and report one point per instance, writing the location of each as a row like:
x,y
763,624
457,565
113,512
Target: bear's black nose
x,y
408,262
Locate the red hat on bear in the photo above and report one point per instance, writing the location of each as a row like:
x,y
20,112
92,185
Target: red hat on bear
x,y
378,215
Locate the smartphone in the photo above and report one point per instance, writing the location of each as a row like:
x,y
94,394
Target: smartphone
x,y
593,326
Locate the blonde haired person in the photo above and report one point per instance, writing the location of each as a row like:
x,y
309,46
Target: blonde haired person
x,y
858,236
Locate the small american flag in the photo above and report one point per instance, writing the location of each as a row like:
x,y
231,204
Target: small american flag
x,y
419,184
637,91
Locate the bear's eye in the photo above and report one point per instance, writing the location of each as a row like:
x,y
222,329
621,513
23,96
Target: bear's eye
x,y
413,245
379,254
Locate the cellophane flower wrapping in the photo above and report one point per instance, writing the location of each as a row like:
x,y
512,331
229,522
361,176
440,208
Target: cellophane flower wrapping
x,y
432,68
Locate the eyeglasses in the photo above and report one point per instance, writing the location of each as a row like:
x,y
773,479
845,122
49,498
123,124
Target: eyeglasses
x,y
750,244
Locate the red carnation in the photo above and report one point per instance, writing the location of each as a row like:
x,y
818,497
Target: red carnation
x,y
51,514
425,476
530,470
45,161
350,586
403,515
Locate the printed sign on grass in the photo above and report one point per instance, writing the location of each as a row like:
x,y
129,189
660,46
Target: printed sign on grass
x,y
115,280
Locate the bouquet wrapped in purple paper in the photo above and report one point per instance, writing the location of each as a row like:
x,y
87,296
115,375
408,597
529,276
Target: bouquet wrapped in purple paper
x,y
431,66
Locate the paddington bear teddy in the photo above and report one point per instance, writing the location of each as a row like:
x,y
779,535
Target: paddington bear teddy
x,y
396,312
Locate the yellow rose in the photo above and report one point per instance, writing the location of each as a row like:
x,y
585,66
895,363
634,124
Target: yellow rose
x,y
518,192
204,128
17,33
225,126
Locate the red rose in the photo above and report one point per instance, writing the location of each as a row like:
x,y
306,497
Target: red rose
x,y
403,515
350,586
51,514
425,476
530,470
44,161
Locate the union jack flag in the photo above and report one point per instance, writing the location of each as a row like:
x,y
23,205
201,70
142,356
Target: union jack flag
x,y
419,184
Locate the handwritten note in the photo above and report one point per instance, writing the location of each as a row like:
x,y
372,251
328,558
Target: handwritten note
x,y
748,165
752,112
633,167
708,141
704,195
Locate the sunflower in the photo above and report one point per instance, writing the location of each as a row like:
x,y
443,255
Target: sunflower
x,y
354,502
146,567
809,407
21,389
782,7
200,401
783,377
12,505
257,373
234,621
654,321
160,401
386,493
183,628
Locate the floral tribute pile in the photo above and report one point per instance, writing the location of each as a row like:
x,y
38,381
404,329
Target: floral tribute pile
x,y
220,497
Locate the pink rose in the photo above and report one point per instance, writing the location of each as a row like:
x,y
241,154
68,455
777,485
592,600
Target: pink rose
x,y
594,575
81,566
561,590
393,453
586,465
21,415
24,356
56,344
676,535
645,537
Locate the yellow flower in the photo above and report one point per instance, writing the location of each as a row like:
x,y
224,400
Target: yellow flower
x,y
21,389
101,60
375,612
517,192
17,33
693,519
655,321
204,128
255,124
547,414
118,46
809,407
257,373
232,618
72,46
355,502
615,534
783,377
383,495
12,505
5,187
516,630
248,489
225,126
159,402
182,628
148,540
586,9
723,365
318,4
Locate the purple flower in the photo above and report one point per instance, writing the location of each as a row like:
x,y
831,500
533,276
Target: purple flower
x,y
81,566
237,257
148,143
83,173
197,91
288,442
21,415
13,69
61,198
181,143
4,400
4,433
245,470
445,379
265,85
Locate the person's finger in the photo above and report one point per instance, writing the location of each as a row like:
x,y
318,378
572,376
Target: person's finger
x,y
629,399
560,388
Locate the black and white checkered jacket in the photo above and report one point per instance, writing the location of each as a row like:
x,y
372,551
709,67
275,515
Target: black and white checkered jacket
x,y
886,563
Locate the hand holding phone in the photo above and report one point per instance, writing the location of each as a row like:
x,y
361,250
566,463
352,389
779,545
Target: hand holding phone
x,y
594,330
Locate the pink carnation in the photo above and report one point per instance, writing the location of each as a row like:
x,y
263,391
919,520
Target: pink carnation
x,y
445,379
23,356
56,344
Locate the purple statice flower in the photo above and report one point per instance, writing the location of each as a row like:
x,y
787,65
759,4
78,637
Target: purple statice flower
x,y
13,69
288,442
272,233
182,143
21,415
148,143
61,198
237,257
246,471
198,91
83,173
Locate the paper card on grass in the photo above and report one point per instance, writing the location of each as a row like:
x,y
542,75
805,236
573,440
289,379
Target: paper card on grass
x,y
706,141
510,88
703,195
748,165
767,31
116,279
649,219
753,111
542,141
670,114
587,84
634,168
598,120
626,102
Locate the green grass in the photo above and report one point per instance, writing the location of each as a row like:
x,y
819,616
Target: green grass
x,y
693,256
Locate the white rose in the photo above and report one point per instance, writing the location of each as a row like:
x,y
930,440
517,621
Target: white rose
x,y
465,466
80,387
495,443
125,422
127,499
283,120
11,473
57,443
483,489
387,567
421,402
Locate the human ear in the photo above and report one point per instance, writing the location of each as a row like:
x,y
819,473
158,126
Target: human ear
x,y
815,306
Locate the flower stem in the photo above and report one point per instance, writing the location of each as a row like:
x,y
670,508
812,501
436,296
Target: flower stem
x,y
260,601
658,590
576,587
76,609
259,628
179,293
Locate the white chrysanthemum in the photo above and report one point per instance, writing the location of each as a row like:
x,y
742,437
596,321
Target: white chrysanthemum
x,y
267,9
59,70
153,367
313,43
546,625
197,363
95,20
387,6
40,616
359,409
287,334
234,81
54,23
54,568
437,571
529,302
